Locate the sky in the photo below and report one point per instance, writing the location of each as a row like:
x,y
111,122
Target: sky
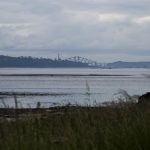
x,y
102,30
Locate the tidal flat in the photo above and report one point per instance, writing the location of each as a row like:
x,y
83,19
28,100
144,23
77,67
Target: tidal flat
x,y
51,86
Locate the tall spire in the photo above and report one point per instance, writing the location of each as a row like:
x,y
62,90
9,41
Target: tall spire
x,y
59,57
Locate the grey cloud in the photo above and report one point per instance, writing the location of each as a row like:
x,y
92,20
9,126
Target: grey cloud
x,y
81,27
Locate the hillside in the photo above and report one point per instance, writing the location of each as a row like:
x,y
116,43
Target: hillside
x,y
30,62
121,64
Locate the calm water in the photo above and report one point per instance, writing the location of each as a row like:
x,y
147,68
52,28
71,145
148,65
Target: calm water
x,y
71,89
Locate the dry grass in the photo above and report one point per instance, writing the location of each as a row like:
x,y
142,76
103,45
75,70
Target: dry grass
x,y
121,126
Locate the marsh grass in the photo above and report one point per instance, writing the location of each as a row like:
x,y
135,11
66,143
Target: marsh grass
x,y
118,126
88,94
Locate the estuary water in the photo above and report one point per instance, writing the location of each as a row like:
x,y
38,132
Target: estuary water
x,y
59,86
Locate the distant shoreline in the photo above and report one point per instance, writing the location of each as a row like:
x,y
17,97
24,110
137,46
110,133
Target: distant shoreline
x,y
73,62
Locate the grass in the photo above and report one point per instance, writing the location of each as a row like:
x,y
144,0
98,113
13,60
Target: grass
x,y
121,126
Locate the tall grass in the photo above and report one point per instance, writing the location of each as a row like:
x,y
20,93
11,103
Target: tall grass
x,y
121,126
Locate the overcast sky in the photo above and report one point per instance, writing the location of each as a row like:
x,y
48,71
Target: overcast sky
x,y
104,30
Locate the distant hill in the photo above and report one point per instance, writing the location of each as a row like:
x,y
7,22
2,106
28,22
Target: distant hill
x,y
30,62
122,64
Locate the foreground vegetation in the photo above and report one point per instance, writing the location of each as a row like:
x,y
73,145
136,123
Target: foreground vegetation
x,y
122,126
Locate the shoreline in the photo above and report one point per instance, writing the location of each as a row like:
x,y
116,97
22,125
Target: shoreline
x,y
57,75
31,94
